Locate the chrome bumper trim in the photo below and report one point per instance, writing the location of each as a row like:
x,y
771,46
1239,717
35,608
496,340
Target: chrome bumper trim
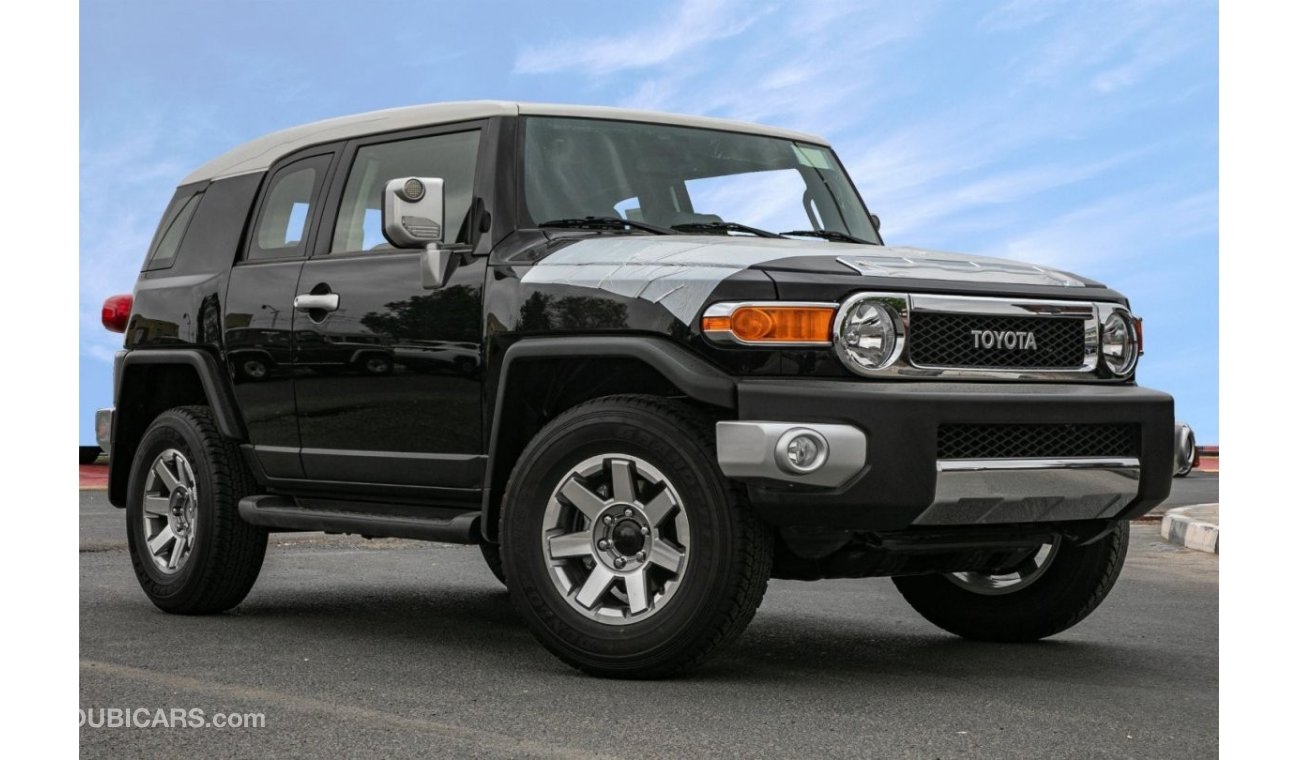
x,y
748,450
982,491
1082,463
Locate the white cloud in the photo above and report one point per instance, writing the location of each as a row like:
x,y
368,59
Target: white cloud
x,y
692,24
1110,45
1014,15
1119,228
815,67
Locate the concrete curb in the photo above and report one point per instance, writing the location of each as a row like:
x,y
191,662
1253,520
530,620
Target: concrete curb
x,y
1195,527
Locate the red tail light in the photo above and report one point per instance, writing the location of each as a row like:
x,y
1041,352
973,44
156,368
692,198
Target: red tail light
x,y
116,313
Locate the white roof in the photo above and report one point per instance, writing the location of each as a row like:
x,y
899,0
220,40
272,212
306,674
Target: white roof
x,y
257,155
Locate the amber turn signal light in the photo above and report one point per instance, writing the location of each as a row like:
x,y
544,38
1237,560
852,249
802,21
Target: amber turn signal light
x,y
770,323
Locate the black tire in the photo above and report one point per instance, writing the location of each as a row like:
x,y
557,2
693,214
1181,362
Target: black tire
x,y
492,556
1070,588
227,552
730,556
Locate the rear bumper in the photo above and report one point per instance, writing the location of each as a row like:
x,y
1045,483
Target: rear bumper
x,y
901,482
104,429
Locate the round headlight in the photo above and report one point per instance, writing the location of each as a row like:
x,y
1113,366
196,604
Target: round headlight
x,y
1119,343
868,334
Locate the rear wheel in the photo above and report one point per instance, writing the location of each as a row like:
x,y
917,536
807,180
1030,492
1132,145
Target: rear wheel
x,y
628,553
191,551
1041,594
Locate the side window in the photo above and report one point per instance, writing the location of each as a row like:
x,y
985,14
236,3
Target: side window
x,y
451,157
175,221
286,209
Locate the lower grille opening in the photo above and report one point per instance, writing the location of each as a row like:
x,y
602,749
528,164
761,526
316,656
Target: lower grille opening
x,y
1037,441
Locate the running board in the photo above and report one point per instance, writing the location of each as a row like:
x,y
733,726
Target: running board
x,y
283,513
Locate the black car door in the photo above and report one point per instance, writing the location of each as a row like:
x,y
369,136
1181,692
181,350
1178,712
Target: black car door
x,y
259,307
374,410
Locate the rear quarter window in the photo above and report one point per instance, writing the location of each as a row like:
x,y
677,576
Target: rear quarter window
x,y
167,240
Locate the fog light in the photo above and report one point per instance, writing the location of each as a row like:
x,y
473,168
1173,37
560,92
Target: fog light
x,y
801,451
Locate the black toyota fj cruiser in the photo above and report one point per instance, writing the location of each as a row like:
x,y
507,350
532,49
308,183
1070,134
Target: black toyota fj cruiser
x,y
644,361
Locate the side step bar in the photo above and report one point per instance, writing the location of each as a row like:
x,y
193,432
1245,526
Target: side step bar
x,y
283,513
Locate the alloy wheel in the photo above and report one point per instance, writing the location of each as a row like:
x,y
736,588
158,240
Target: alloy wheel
x,y
170,512
616,539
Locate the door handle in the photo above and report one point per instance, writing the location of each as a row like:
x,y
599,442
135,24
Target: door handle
x,y
309,302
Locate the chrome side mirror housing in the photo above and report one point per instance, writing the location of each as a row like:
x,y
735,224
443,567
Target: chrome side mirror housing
x,y
414,211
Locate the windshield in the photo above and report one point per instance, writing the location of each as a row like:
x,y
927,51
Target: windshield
x,y
686,178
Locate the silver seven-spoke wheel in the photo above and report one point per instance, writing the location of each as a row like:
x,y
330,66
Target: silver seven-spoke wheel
x,y
1028,570
616,538
170,511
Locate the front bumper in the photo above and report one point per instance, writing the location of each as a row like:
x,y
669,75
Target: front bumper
x,y
903,483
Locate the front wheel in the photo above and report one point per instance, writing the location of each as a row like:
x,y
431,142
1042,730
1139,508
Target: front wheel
x,y
1043,593
629,554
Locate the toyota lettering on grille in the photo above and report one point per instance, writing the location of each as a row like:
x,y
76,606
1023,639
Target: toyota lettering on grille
x,y
1006,340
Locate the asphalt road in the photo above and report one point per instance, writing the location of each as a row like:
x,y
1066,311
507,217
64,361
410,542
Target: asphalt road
x,y
1196,488
352,647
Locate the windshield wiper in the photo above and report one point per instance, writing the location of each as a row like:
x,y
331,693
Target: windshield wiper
x,y
604,223
838,237
723,227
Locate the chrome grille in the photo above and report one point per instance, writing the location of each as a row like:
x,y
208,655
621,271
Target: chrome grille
x,y
947,340
1037,441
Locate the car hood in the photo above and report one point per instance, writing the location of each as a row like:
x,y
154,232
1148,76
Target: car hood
x,y
681,271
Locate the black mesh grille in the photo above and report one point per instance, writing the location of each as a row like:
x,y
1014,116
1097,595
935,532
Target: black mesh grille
x,y
946,340
1029,441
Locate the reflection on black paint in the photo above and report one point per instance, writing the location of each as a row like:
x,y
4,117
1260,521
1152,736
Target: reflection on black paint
x,y
209,322
451,314
260,353
542,313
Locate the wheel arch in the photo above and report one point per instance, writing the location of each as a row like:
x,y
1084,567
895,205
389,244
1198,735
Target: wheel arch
x,y
153,381
542,377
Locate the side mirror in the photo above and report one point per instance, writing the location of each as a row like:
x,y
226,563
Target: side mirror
x,y
413,211
875,222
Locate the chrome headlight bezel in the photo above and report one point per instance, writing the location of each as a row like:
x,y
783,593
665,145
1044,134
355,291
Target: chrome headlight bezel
x,y
1117,341
891,311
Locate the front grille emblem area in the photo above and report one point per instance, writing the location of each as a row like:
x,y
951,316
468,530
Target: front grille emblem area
x,y
1006,340
989,341
997,338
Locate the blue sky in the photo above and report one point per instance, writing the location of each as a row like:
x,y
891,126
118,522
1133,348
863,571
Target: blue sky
x,y
1077,134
